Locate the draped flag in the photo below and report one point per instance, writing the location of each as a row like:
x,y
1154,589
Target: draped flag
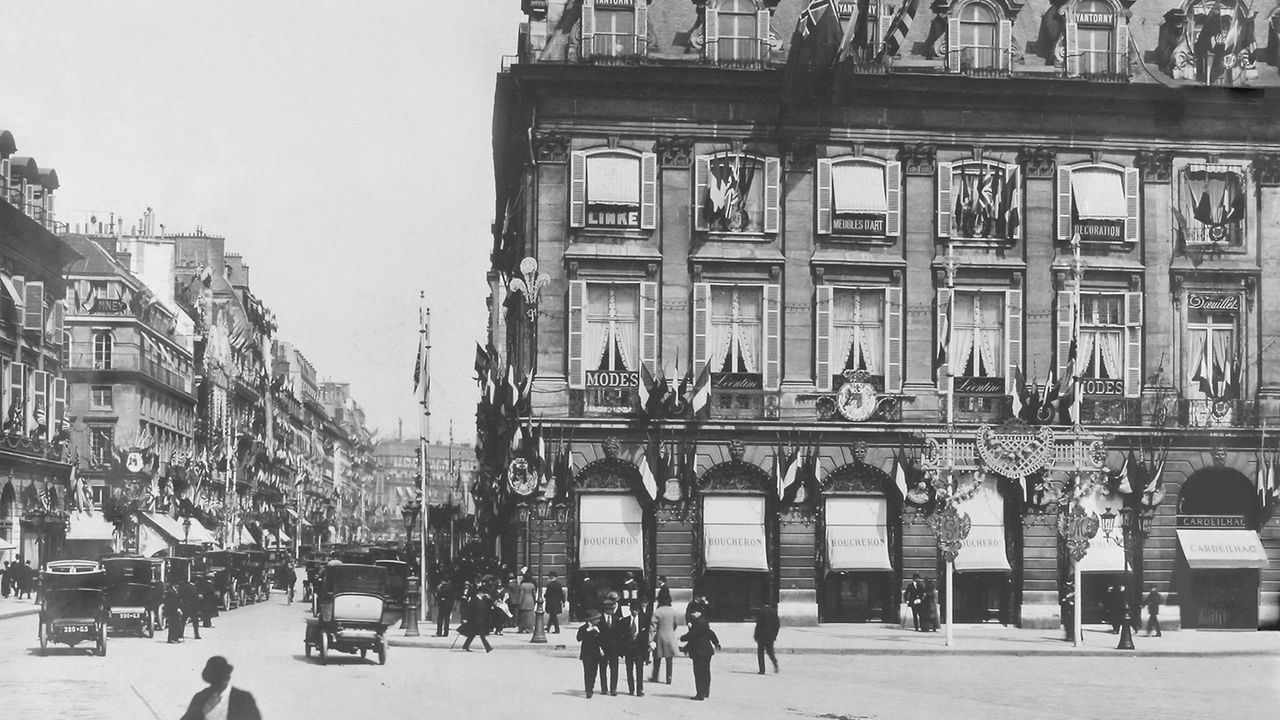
x,y
1202,375
855,23
814,45
1020,394
786,466
1127,471
898,29
700,401
422,368
944,341
648,490
900,474
481,364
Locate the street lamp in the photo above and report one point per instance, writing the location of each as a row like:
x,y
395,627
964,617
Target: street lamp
x,y
542,518
409,513
1108,520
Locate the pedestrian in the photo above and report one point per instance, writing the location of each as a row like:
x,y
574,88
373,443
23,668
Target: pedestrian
x,y
444,607
527,603
190,606
513,600
914,597
1067,603
1153,612
587,598
696,605
290,581
659,587
553,602
662,633
701,644
1115,607
590,650
499,609
629,592
208,598
173,612
632,639
609,644
220,700
930,606
4,580
766,633
478,624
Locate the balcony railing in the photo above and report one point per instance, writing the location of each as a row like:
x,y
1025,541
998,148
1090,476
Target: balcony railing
x,y
1217,413
983,61
1111,411
130,362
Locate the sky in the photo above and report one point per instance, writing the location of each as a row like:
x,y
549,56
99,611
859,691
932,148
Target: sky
x,y
343,148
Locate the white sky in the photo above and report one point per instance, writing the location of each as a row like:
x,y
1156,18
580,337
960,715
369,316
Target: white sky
x,y
343,148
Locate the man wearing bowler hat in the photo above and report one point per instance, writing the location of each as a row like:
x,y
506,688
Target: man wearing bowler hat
x,y
220,700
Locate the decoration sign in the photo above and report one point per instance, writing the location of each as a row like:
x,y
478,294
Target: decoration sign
x,y
521,478
859,224
1226,303
612,379
1100,230
1078,527
1212,521
980,385
856,401
737,381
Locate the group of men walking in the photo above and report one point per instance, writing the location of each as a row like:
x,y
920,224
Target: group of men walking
x,y
194,601
18,578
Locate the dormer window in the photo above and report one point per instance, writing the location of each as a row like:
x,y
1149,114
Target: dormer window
x,y
859,198
737,193
979,200
1217,45
978,38
1099,203
1097,40
735,31
614,28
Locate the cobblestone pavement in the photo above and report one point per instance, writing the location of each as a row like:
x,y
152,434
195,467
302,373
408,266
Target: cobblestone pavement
x,y
143,679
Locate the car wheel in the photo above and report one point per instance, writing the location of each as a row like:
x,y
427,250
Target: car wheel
x,y
102,640
44,638
224,599
324,647
382,653
148,630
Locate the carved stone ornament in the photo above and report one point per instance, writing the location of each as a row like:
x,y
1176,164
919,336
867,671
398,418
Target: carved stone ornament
x,y
1039,162
1078,527
609,473
737,450
612,447
736,475
1268,166
919,159
856,476
950,527
550,147
520,478
1156,165
1015,453
674,152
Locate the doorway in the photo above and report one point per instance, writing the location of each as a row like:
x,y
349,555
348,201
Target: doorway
x,y
858,597
981,597
1221,600
734,596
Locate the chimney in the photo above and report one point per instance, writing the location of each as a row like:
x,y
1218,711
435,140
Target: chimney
x,y
123,258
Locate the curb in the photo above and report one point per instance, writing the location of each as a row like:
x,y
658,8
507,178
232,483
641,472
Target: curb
x,y
19,613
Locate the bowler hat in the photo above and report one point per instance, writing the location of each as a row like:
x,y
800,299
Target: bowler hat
x,y
593,615
609,604
217,668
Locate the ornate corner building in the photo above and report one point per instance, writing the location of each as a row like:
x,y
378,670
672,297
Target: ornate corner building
x,y
1005,257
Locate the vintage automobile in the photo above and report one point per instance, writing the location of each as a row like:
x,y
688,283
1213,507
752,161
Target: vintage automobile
x,y
243,574
382,552
397,583
171,569
352,612
226,582
131,594
73,606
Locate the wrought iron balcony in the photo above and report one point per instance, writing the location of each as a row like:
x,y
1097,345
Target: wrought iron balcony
x,y
1217,413
1111,411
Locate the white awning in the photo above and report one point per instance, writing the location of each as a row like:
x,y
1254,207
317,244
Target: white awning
x,y
199,534
167,525
284,536
1099,194
1222,549
613,179
611,534
151,540
1104,554
984,549
90,526
6,545
857,534
733,533
858,188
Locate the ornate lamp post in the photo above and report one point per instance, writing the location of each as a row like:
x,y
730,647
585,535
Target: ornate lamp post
x,y
1108,522
409,513
541,519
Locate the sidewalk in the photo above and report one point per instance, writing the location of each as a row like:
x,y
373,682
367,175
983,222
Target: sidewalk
x,y
881,640
11,607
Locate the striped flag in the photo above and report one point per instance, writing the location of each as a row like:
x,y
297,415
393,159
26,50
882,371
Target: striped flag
x,y
898,29
786,469
648,479
701,398
422,368
944,342
900,475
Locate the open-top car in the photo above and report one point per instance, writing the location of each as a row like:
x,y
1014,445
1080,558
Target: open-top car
x,y
352,612
131,594
73,606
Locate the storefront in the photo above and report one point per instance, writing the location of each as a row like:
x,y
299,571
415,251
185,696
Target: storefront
x,y
611,539
735,556
1103,567
859,582
982,571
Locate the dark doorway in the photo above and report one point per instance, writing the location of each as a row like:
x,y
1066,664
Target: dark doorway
x,y
1218,598
734,596
859,597
981,597
1221,600
1096,607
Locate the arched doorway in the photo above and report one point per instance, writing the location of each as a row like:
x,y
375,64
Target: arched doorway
x,y
861,538
1216,573
738,539
611,533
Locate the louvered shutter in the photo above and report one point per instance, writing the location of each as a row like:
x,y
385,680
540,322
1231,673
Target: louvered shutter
x,y
38,399
942,314
701,326
1066,324
893,198
824,196
28,198
1064,203
762,34
55,323
1004,45
772,336
587,48
893,339
1072,47
648,190
59,406
649,326
822,337
944,199
33,315
1133,355
701,180
1122,47
20,286
1132,206
577,188
642,28
772,194
953,44
1013,336
17,382
577,323
4,176
711,34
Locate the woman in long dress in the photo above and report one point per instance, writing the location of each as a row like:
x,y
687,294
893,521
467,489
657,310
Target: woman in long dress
x,y
662,634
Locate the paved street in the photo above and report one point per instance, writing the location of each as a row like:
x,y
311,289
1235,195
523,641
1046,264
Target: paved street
x,y
149,679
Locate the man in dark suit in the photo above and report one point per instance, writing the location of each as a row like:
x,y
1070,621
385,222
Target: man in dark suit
x,y
587,598
631,635
609,645
191,606
766,634
914,597
220,699
444,607
590,651
553,602
701,644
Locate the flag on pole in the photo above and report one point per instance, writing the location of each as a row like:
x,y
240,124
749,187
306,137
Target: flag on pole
x,y
648,480
814,45
848,44
1202,375
1127,472
944,341
900,474
701,398
898,29
786,469
1019,395
481,364
644,391
422,368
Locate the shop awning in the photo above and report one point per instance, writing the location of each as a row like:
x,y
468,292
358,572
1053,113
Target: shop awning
x,y
984,549
200,535
284,536
857,534
1098,194
90,526
1104,554
733,533
858,188
611,534
6,545
151,540
1222,549
613,179
167,525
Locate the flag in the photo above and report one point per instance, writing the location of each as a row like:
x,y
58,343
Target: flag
x,y
900,474
1019,394
648,490
944,341
1127,472
481,364
658,394
524,400
644,391
814,45
422,367
701,398
898,28
1202,375
785,466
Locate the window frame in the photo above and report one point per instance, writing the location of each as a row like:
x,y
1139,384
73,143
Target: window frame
x,y
94,395
580,189
1003,34
1190,328
825,204
103,349
711,51
589,28
1196,234
946,198
770,188
1117,53
1131,186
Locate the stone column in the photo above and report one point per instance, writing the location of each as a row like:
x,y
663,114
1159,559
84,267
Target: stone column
x,y
1268,357
920,234
1159,313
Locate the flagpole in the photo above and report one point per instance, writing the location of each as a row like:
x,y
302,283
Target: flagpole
x,y
951,380
425,400
1078,313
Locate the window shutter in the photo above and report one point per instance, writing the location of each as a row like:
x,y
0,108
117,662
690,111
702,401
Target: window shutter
x,y
649,326
1064,203
772,194
701,326
762,34
642,28
944,199
1066,322
942,312
56,323
893,198
28,198
772,336
893,339
17,381
648,188
822,338
953,44
824,196
1004,44
20,285
1133,356
701,180
4,175
33,315
577,301
587,48
38,398
1132,206
711,34
1122,47
578,188
1072,47
1013,336
59,406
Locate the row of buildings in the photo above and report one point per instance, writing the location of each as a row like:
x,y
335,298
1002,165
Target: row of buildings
x,y
148,398
885,283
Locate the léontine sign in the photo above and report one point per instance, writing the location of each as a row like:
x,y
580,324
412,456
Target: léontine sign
x,y
1229,303
1212,521
980,386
